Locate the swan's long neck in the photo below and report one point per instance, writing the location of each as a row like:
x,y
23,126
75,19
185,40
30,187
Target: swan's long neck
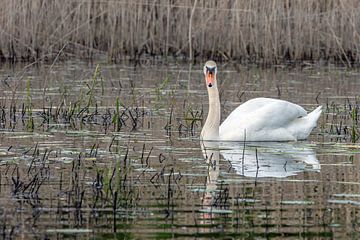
x,y
210,129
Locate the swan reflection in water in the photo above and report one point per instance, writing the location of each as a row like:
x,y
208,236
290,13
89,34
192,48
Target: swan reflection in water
x,y
262,159
272,159
254,160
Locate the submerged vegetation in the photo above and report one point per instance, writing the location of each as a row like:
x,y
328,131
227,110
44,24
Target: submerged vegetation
x,y
250,31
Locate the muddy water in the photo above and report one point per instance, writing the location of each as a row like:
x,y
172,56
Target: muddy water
x,y
116,154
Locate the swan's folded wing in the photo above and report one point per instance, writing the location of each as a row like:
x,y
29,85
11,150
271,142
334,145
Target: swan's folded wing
x,y
276,114
261,114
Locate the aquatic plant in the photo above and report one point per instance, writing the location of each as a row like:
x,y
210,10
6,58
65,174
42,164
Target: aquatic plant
x,y
341,120
355,135
28,108
116,119
94,83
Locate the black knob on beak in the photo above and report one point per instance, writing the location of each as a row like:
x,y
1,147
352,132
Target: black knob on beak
x,y
211,70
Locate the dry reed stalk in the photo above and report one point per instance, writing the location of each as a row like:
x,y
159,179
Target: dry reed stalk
x,y
250,31
190,29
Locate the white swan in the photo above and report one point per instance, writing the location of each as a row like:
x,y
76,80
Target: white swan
x,y
259,119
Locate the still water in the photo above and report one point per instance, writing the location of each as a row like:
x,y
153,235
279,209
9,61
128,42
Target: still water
x,y
94,150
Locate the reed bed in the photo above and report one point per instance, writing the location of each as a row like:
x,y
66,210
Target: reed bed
x,y
250,31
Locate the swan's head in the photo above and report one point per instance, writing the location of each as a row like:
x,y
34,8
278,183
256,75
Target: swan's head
x,y
210,71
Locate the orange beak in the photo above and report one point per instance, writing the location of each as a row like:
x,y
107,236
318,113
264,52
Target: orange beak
x,y
210,79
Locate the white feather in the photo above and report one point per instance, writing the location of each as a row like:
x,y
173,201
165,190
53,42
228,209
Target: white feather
x,y
266,119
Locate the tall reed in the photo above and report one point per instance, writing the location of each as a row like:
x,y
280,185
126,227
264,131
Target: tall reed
x,y
247,30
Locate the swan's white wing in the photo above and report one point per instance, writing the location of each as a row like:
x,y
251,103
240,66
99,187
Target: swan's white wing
x,y
262,119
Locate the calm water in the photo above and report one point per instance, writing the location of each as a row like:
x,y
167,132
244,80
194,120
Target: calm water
x,y
117,155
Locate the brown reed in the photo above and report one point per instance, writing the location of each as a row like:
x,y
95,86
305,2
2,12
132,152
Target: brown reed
x,y
247,30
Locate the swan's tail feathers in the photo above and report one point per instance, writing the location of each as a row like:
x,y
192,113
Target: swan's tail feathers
x,y
302,128
314,116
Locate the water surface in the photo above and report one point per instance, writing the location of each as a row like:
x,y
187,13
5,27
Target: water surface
x,y
116,154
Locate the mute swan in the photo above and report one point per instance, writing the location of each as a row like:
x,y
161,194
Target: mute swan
x,y
259,119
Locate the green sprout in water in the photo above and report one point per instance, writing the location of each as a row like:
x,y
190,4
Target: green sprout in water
x,y
28,108
354,132
92,87
116,117
159,90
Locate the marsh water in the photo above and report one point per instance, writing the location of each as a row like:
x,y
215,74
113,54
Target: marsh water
x,y
98,150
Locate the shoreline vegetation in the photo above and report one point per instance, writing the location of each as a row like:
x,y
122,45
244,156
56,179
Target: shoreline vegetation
x,y
248,31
